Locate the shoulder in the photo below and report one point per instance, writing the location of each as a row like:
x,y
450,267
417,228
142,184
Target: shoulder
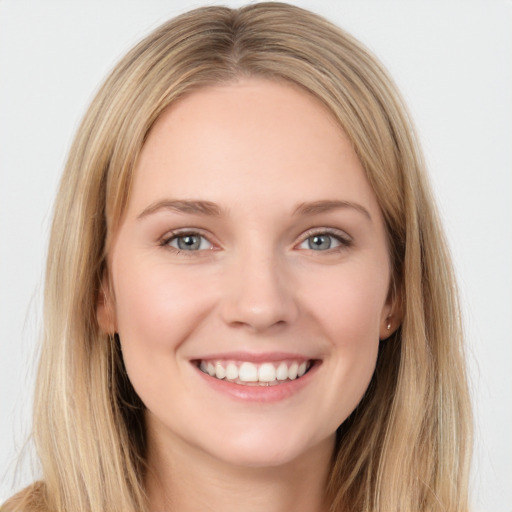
x,y
30,499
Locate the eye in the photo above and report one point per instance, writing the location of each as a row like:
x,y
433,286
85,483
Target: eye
x,y
323,241
188,242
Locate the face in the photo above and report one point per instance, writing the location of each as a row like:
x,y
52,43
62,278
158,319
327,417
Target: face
x,y
250,275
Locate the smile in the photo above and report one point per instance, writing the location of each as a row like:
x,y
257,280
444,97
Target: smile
x,y
252,374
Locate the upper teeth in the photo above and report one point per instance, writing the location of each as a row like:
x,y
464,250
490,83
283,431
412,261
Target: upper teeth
x,y
250,372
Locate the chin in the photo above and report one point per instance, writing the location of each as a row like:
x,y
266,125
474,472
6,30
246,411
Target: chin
x,y
263,450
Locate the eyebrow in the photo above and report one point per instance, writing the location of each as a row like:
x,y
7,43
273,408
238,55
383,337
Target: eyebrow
x,y
199,207
316,207
183,206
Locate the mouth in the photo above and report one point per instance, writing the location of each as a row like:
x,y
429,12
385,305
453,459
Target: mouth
x,y
247,373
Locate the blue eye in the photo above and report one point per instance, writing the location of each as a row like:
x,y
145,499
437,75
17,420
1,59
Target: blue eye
x,y
320,242
189,242
323,242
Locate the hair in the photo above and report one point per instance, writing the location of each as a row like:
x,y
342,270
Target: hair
x,y
407,445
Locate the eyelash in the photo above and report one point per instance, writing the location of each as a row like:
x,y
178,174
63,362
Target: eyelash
x,y
339,236
344,240
167,239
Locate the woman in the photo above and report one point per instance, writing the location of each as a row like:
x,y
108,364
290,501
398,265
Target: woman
x,y
249,302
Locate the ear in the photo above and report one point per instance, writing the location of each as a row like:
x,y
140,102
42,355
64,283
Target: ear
x,y
105,307
391,317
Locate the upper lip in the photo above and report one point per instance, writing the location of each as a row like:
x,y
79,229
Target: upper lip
x,y
254,357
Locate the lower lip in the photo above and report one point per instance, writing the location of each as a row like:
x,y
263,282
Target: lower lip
x,y
261,394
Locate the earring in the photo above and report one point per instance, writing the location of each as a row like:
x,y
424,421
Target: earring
x,y
388,327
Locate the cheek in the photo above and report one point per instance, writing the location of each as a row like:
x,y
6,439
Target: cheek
x,y
157,308
156,311
155,305
350,303
348,310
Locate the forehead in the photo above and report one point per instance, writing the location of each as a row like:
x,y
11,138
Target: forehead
x,y
251,139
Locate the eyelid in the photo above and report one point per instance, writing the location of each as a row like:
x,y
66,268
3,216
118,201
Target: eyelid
x,y
340,235
164,241
169,236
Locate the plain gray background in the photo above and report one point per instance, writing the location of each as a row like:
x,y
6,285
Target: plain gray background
x,y
451,59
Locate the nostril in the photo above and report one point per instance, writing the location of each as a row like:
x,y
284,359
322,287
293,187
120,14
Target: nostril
x,y
257,296
258,318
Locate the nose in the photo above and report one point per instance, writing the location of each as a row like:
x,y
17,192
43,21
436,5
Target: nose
x,y
258,294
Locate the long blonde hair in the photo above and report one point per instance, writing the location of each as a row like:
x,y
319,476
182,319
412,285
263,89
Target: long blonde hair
x,y
407,445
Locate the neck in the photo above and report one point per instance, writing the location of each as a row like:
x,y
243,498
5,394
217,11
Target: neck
x,y
182,478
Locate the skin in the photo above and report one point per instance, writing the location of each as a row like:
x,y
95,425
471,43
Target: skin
x,y
258,150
